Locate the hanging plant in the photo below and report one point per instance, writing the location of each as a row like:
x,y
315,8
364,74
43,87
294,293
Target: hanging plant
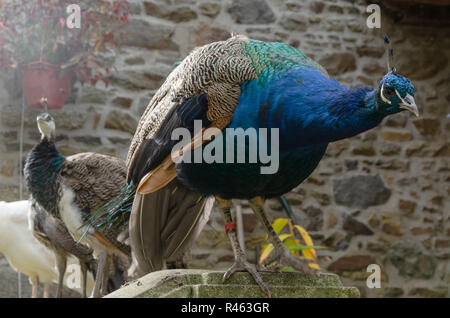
x,y
36,40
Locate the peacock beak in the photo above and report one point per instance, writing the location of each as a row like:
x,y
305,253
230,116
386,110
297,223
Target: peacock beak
x,y
409,104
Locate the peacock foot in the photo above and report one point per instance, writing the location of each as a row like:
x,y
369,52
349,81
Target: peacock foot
x,y
241,264
286,258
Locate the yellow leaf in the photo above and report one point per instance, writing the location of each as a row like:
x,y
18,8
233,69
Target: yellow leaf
x,y
309,253
265,252
284,236
97,46
313,265
308,241
279,224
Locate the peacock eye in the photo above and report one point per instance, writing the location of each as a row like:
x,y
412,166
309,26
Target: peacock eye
x,y
388,92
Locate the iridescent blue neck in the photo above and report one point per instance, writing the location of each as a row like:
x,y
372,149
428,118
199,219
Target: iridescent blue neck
x,y
331,115
307,108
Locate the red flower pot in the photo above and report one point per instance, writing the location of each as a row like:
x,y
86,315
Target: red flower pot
x,y
42,79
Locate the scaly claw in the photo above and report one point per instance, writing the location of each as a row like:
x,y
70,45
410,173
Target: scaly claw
x,y
286,258
243,265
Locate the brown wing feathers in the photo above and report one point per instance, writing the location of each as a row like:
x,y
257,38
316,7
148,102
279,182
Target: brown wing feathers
x,y
95,179
217,70
54,234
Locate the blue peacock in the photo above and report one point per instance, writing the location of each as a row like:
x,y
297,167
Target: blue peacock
x,y
241,83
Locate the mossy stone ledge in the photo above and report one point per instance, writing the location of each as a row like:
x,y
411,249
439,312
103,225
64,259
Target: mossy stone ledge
x,y
195,283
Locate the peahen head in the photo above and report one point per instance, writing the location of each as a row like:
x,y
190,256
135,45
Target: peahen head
x,y
46,125
395,94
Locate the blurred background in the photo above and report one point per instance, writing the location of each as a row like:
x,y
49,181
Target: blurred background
x,y
381,197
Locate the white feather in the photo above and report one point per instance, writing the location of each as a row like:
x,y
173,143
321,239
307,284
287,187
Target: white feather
x,y
23,251
71,216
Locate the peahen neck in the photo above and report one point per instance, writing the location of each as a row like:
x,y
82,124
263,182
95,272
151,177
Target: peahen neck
x,y
42,170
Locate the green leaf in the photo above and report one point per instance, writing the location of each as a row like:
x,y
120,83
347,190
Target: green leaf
x,y
289,243
303,247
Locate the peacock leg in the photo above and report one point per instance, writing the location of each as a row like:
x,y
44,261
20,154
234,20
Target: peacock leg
x,y
61,263
240,260
101,269
34,286
106,275
84,268
46,290
284,255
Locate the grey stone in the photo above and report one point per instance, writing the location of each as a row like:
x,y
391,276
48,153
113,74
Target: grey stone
x,y
89,140
438,292
210,9
351,262
417,66
136,60
120,141
173,13
390,149
338,63
337,241
251,12
140,33
410,260
354,226
123,102
316,7
370,51
121,121
360,191
351,164
294,22
136,81
68,118
392,292
315,216
205,33
93,95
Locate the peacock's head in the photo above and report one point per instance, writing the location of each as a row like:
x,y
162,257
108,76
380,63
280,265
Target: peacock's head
x,y
46,125
396,93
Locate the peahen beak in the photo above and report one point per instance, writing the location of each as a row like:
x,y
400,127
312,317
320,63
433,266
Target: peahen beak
x,y
409,104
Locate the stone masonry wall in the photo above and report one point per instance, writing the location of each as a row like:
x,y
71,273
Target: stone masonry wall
x,y
380,197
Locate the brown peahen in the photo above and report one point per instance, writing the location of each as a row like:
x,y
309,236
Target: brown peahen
x,y
72,188
52,232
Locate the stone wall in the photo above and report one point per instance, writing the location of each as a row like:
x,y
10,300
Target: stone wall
x,y
381,197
